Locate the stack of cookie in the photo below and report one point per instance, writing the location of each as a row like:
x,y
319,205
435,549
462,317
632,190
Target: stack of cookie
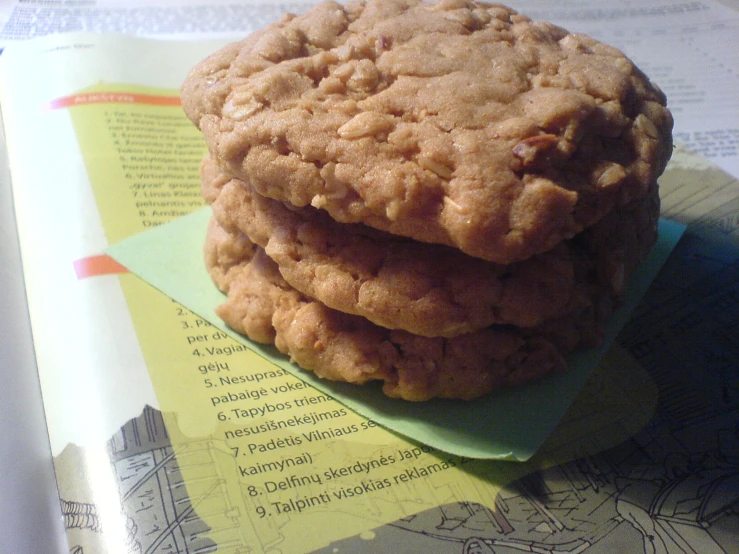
x,y
446,197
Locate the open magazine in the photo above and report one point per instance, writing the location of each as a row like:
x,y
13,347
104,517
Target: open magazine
x,y
167,435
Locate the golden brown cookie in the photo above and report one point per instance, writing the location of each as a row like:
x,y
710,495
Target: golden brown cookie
x,y
429,290
454,122
344,347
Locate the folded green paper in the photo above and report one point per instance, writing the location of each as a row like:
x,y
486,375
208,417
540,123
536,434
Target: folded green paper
x,y
510,424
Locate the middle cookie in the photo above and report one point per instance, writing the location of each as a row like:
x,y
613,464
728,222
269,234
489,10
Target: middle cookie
x,y
428,290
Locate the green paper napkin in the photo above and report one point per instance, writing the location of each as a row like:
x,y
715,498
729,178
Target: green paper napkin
x,y
507,425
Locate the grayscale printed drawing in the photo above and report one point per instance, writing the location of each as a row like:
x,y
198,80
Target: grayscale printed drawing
x,y
154,513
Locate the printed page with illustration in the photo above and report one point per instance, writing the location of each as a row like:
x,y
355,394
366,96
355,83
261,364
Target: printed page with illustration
x,y
158,397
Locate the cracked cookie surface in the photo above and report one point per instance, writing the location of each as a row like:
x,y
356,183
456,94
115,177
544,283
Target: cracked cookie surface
x,y
454,122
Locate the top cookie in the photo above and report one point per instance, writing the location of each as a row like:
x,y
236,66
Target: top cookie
x,y
453,122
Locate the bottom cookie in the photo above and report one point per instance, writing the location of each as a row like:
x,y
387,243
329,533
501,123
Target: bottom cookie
x,y
343,347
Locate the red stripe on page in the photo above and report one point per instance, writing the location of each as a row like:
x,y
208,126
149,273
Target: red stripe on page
x,y
92,266
112,98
